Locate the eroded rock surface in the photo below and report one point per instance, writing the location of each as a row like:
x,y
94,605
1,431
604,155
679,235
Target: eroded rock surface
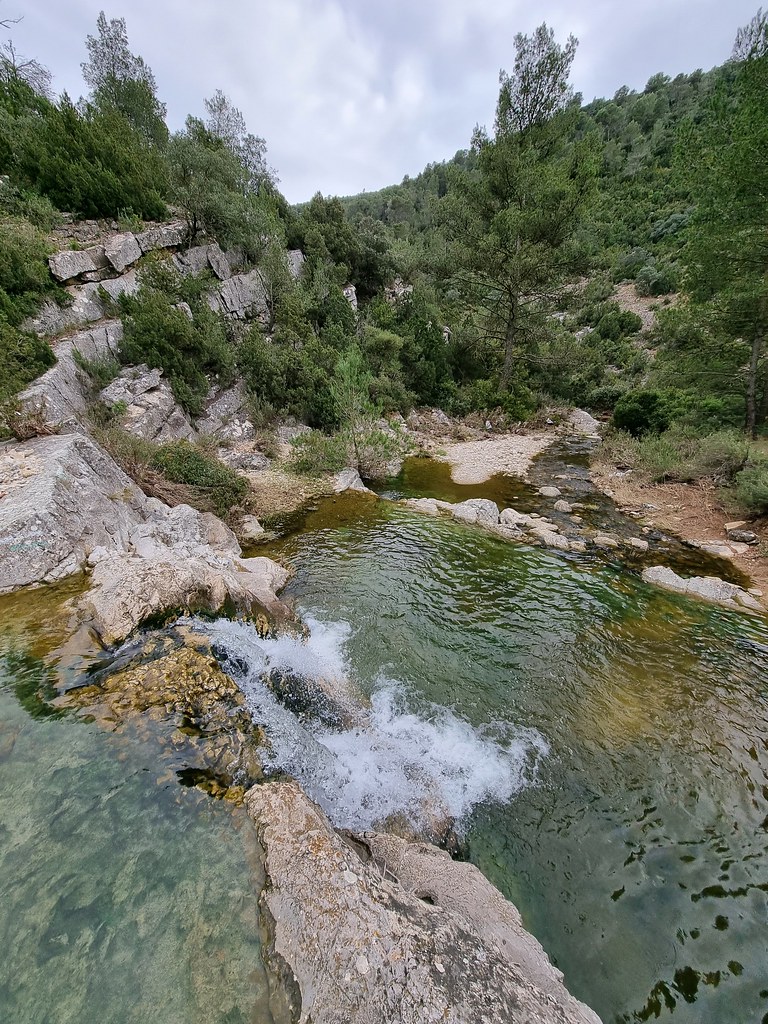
x,y
404,935
706,588
151,411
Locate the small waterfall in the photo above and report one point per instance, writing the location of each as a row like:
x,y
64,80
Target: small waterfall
x,y
421,763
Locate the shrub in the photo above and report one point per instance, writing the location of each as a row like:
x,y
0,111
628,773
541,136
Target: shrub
x,y
186,463
24,275
316,452
752,487
641,412
654,280
23,357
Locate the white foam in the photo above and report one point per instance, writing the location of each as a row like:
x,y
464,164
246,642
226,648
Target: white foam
x,y
411,759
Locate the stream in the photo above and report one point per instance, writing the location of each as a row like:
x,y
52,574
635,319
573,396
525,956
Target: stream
x,y
600,747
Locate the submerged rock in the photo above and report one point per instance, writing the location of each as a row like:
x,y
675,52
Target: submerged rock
x,y
378,929
707,588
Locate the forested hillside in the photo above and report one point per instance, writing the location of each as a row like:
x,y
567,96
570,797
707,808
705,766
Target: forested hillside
x,y
487,284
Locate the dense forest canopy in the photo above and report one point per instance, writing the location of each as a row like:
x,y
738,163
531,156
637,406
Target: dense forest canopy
x,y
485,284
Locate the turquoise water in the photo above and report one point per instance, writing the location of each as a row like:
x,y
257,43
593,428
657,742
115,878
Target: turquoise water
x,y
125,898
638,854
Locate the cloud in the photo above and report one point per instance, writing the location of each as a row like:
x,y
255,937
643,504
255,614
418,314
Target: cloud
x,y
352,95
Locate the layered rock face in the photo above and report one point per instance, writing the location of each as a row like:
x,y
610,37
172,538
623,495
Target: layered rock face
x,y
377,929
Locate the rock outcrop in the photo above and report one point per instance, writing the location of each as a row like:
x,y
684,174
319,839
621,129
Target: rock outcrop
x,y
68,506
226,416
582,422
240,297
384,930
61,394
706,588
151,411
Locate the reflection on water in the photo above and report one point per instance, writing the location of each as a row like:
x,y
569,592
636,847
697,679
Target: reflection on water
x,y
640,856
125,897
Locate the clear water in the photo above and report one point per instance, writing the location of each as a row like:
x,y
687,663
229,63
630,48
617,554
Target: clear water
x,y
124,897
638,854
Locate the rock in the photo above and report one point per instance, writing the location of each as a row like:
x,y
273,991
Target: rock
x,y
550,492
707,588
75,500
718,550
583,423
192,261
151,408
72,263
242,296
429,506
743,536
563,506
62,394
295,263
550,539
349,480
226,416
164,236
219,262
404,932
604,540
250,529
577,545
350,294
122,251
289,431
638,543
477,510
737,525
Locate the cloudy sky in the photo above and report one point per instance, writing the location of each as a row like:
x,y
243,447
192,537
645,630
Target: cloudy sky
x,y
354,94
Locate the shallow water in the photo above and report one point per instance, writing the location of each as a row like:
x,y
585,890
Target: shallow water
x,y
125,897
638,851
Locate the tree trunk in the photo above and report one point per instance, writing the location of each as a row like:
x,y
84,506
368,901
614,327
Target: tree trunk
x,y
510,338
754,365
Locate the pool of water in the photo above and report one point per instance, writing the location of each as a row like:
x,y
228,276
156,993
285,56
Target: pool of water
x,y
125,897
636,847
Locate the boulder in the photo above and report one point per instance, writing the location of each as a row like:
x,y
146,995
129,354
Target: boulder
x,y
72,263
250,530
151,408
192,261
583,423
740,536
550,492
350,294
563,506
163,236
349,480
707,588
550,539
219,262
605,541
122,251
739,524
378,929
638,543
477,510
62,394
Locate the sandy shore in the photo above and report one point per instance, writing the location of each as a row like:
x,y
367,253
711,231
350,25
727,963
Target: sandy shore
x,y
474,462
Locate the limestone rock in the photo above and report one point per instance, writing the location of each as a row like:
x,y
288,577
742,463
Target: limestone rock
x,y
72,263
482,511
122,251
75,500
219,262
192,261
396,932
638,543
707,588
151,409
241,297
583,423
563,506
350,294
226,416
295,263
163,236
605,541
250,529
740,536
739,524
550,539
349,480
550,492
61,394
578,546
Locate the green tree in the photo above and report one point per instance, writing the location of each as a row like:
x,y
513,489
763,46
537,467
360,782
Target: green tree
x,y
514,222
121,81
726,258
350,390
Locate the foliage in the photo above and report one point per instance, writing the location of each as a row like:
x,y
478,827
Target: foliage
x,y
683,455
24,276
159,334
316,452
23,357
641,412
752,487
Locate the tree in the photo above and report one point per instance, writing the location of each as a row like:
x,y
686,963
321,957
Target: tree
x,y
227,123
16,68
350,390
513,223
121,81
752,39
726,257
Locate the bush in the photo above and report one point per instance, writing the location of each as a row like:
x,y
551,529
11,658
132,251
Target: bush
x,y
23,357
316,452
186,463
752,487
188,351
641,412
24,275
655,280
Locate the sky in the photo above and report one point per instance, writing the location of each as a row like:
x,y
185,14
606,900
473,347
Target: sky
x,y
352,95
